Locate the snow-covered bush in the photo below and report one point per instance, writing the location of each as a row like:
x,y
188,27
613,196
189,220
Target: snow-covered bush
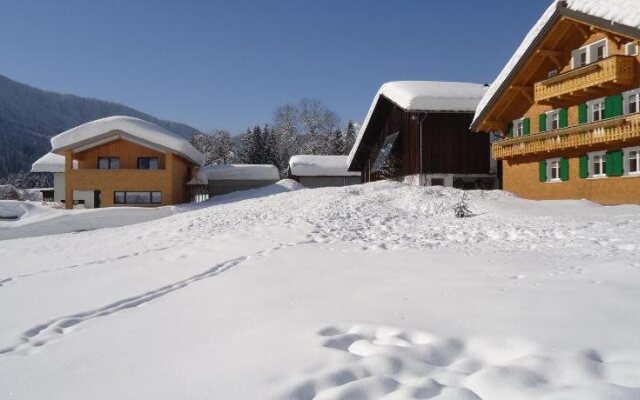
x,y
460,210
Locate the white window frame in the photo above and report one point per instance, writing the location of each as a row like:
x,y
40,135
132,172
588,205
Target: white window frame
x,y
603,169
626,97
518,127
593,54
627,161
590,52
590,109
550,168
576,54
551,115
629,46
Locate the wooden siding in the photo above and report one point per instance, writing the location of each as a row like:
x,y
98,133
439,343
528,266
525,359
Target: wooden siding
x,y
447,146
451,148
128,153
521,176
169,179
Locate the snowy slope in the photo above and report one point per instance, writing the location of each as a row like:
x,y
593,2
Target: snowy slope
x,y
364,292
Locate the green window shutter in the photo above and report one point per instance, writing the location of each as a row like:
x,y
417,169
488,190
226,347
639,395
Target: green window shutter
x,y
564,169
526,126
582,113
564,118
614,163
543,122
613,106
510,130
584,166
543,171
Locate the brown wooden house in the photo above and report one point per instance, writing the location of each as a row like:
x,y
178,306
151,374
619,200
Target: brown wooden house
x,y
418,132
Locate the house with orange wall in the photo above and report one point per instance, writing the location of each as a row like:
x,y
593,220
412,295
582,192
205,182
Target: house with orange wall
x,y
119,161
567,105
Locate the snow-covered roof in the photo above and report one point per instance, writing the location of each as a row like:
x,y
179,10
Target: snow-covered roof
x,y
255,172
428,96
137,130
623,12
308,165
50,162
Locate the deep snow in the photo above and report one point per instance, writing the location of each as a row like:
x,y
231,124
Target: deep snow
x,y
363,292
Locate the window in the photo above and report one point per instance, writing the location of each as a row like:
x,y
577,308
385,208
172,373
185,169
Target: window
x,y
119,198
579,58
554,170
518,127
590,53
632,161
553,120
384,155
148,163
600,52
596,110
631,101
108,163
598,164
631,49
137,197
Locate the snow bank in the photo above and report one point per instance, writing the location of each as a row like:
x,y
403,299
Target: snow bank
x,y
240,171
428,96
370,292
11,210
624,12
311,165
102,129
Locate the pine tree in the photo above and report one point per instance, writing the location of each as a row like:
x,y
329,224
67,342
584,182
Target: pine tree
x,y
349,137
336,143
203,143
223,149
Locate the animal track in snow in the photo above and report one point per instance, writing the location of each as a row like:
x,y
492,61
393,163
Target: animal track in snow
x,y
43,334
390,363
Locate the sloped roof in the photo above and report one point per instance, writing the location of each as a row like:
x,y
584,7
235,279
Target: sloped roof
x,y
50,162
135,129
315,165
427,96
623,12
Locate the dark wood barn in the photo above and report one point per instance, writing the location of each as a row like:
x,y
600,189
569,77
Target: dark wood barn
x,y
418,132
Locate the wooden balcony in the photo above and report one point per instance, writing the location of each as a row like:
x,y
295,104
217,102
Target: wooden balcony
x,y
588,82
614,129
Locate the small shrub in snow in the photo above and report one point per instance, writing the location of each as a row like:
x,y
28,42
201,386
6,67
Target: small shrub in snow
x,y
460,210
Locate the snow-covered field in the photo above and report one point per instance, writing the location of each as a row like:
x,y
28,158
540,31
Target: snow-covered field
x,y
364,292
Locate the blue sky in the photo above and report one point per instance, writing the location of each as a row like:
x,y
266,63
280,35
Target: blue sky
x,y
228,64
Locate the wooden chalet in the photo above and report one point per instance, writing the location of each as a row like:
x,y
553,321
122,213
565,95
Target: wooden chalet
x,y
567,105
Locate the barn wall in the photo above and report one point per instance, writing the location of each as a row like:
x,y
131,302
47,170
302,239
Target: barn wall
x,y
328,181
449,146
220,187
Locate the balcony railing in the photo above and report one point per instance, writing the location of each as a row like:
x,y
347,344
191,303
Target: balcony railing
x,y
614,129
614,71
